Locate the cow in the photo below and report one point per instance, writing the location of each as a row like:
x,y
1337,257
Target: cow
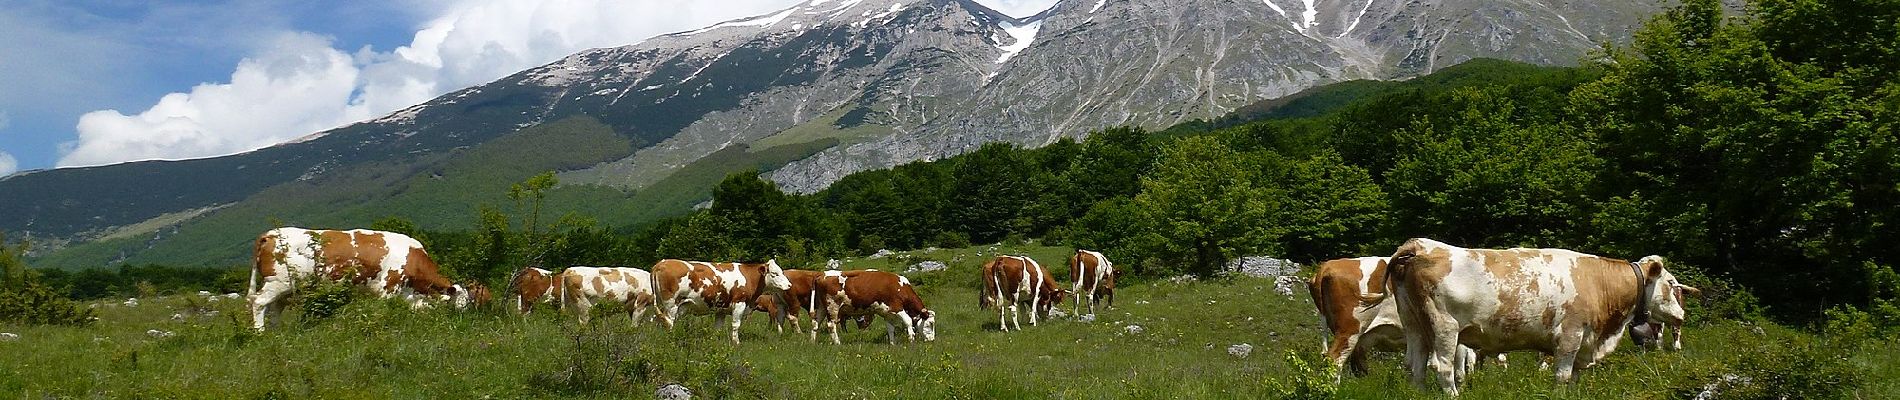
x,y
582,287
1337,287
531,286
873,293
1093,278
714,288
1571,305
389,264
795,299
1010,280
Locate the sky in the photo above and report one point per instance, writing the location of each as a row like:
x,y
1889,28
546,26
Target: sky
x,y
95,82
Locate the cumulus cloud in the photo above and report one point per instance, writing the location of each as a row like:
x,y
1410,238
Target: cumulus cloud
x,y
303,84
7,164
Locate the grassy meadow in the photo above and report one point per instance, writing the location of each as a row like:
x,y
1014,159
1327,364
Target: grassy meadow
x,y
377,349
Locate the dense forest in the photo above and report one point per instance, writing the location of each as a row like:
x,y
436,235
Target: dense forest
x,y
1757,151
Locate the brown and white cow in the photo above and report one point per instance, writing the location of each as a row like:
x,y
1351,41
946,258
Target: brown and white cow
x,y
871,293
531,286
389,264
1093,278
581,287
1337,287
1572,305
714,288
799,298
1010,280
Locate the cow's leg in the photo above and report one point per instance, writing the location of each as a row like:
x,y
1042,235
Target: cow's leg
x,y
1035,307
1445,360
583,308
1675,332
738,316
1569,343
1015,316
832,320
1340,350
669,309
637,309
265,305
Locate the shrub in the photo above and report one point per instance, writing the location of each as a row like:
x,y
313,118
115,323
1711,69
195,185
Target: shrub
x,y
952,240
1309,379
1785,370
321,298
35,304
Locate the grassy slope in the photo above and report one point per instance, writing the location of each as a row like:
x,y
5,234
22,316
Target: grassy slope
x,y
377,350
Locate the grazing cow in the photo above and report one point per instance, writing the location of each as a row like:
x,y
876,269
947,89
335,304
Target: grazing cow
x,y
1337,288
868,293
714,288
788,304
1009,280
583,287
530,286
1572,305
389,264
1093,278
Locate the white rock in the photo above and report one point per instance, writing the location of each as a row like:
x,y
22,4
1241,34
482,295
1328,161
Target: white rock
x,y
131,302
1086,318
834,264
230,295
1261,266
1057,313
178,317
9,336
926,266
1240,350
1284,284
159,334
203,293
881,253
1133,329
673,391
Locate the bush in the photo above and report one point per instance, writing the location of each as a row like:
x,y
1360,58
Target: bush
x,y
1776,370
35,304
1310,379
952,240
607,360
321,299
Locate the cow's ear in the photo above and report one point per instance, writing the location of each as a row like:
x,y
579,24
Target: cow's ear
x,y
1690,290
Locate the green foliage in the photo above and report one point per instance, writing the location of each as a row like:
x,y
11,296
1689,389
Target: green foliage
x,y
991,192
1790,369
1208,205
31,303
1309,378
320,299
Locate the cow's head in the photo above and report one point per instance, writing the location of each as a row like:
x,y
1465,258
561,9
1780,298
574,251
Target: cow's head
x,y
1050,300
1663,297
927,325
458,296
774,276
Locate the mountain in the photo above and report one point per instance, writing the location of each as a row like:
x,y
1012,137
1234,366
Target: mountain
x,y
809,93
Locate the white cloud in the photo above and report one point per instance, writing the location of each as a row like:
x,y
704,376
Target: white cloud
x,y
5,120
7,164
301,84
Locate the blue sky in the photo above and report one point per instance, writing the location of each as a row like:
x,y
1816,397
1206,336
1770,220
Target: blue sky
x,y
90,82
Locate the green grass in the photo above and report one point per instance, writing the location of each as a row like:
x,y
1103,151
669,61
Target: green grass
x,y
377,349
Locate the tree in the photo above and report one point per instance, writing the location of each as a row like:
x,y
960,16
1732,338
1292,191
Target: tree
x,y
992,190
533,191
1207,205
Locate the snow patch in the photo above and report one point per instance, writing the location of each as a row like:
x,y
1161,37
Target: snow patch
x,y
1098,6
766,20
887,14
1355,18
1024,35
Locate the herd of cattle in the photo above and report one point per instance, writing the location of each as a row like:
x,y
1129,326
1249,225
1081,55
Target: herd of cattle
x,y
1446,307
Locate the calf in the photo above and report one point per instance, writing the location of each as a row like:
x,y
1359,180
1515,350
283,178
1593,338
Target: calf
x,y
1093,277
389,264
1572,305
1010,280
714,288
583,287
530,286
795,299
856,294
